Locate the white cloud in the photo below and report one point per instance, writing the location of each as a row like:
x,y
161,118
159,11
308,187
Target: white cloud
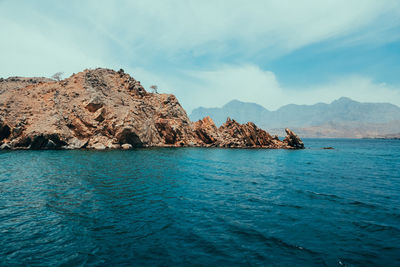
x,y
283,25
43,37
27,49
214,87
249,83
75,34
359,88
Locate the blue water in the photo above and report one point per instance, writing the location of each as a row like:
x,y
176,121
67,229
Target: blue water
x,y
192,206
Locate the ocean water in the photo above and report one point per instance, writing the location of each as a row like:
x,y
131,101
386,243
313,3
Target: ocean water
x,y
205,207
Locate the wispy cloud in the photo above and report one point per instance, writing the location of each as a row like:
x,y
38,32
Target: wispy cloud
x,y
214,88
151,32
203,51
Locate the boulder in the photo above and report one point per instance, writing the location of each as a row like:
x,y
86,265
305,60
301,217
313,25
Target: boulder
x,y
94,104
98,146
126,146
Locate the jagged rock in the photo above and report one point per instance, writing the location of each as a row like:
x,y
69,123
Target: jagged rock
x,y
234,134
206,130
293,140
105,109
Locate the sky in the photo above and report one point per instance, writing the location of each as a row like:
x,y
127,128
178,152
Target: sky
x,y
209,52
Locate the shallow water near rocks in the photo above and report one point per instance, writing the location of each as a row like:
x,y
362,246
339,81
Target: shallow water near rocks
x,y
188,206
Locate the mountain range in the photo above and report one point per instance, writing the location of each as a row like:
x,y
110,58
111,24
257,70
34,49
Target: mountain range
x,y
343,118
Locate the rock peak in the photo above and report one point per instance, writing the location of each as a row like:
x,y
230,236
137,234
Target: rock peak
x,y
343,100
293,140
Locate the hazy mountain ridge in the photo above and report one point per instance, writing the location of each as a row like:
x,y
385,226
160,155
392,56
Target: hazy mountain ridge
x,y
343,117
389,136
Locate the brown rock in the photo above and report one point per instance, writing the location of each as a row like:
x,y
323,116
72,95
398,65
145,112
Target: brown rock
x,y
234,134
293,140
100,115
98,146
105,109
94,104
126,146
206,131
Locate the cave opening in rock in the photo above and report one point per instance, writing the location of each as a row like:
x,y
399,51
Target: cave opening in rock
x,y
39,142
5,131
129,137
51,141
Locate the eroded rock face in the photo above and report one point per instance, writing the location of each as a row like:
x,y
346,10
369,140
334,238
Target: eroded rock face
x,y
105,109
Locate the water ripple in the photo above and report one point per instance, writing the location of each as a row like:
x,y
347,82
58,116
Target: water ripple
x,y
202,206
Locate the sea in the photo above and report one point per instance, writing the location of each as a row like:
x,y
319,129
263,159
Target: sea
x,y
203,206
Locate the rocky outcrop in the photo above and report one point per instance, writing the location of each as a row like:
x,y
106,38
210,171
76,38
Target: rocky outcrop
x,y
105,109
293,140
206,131
235,135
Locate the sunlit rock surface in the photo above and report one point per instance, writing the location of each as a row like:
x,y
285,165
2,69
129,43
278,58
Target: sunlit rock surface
x,y
105,109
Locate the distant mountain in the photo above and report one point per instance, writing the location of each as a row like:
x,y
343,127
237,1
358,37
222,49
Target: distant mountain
x,y
341,118
240,111
389,136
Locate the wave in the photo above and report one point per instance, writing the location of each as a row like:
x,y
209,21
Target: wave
x,y
253,235
375,227
337,199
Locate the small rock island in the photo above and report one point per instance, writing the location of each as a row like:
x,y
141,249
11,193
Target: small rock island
x,y
107,109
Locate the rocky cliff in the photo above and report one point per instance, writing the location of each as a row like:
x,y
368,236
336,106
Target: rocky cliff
x,y
105,109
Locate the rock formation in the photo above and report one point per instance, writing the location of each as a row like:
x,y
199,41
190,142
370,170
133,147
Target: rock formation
x,y
105,109
293,140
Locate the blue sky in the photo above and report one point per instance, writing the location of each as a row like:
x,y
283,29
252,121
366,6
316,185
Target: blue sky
x,y
210,52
